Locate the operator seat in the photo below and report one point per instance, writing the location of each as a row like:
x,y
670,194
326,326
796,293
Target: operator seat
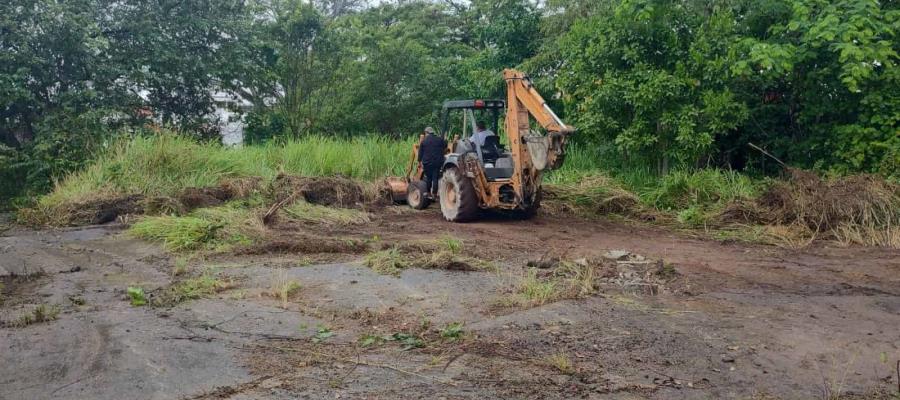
x,y
497,163
492,150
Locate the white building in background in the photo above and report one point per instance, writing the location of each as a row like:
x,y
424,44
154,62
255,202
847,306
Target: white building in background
x,y
229,116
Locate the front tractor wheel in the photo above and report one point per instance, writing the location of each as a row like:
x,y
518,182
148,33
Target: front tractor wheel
x,y
459,202
415,195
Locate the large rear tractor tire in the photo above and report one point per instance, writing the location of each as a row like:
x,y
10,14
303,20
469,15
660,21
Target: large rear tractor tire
x,y
415,195
459,202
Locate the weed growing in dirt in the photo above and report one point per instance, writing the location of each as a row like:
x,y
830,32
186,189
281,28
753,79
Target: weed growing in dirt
x,y
408,341
192,289
452,244
181,264
303,211
537,291
386,262
568,280
453,331
136,296
205,285
578,279
283,287
77,300
322,334
561,362
41,313
369,340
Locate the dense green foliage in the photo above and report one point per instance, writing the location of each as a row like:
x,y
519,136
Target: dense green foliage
x,y
652,85
693,82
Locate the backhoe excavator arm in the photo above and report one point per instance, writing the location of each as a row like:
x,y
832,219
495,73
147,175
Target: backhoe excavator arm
x,y
532,153
521,87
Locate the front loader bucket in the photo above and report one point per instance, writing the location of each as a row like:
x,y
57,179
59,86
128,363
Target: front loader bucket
x,y
399,187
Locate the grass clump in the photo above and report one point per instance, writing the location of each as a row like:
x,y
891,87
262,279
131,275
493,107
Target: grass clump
x,y
192,289
453,331
205,285
696,197
304,211
41,313
536,291
180,267
176,233
569,280
282,287
681,190
590,195
214,229
136,296
386,262
561,362
452,244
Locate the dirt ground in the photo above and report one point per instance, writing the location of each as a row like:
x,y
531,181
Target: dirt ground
x,y
737,321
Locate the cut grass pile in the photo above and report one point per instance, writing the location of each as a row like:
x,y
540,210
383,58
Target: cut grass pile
x,y
215,229
590,195
303,211
857,209
443,253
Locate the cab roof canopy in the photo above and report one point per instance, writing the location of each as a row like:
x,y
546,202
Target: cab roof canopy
x,y
475,104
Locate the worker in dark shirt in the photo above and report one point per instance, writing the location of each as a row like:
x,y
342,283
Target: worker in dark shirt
x,y
431,155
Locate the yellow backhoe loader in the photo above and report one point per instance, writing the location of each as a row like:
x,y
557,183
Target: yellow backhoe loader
x,y
490,176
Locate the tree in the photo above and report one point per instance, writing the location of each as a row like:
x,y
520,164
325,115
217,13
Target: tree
x,y
832,68
72,73
646,75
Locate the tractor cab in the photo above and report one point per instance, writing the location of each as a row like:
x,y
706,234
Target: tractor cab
x,y
458,122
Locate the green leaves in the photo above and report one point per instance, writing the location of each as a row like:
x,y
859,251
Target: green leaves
x,y
407,341
322,334
691,83
136,294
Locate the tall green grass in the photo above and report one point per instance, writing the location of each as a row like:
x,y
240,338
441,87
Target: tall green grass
x,y
166,164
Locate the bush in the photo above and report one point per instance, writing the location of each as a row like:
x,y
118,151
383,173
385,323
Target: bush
x,y
62,144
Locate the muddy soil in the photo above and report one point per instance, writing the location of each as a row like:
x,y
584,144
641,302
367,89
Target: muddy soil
x,y
736,322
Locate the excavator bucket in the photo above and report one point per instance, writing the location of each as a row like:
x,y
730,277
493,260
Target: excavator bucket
x,y
398,187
